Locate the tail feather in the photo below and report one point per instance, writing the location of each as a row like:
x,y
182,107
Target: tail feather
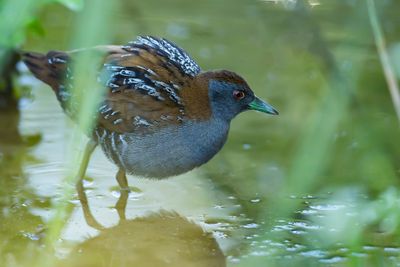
x,y
50,68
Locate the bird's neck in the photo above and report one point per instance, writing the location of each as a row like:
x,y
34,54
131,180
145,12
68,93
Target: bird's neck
x,y
196,99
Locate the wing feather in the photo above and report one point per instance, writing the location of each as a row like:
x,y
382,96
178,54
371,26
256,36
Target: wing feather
x,y
143,82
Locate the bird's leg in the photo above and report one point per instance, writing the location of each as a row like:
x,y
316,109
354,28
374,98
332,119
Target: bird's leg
x,y
89,218
122,181
90,146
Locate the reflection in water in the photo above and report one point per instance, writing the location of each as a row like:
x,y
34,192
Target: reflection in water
x,y
160,239
20,228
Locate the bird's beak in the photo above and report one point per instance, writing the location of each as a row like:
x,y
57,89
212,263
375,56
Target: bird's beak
x,y
260,105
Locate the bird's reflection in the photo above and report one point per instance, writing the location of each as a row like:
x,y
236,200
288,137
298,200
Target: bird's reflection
x,y
160,239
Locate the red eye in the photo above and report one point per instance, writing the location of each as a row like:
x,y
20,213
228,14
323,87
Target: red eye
x,y
238,94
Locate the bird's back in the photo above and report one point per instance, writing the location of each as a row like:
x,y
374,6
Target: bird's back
x,y
146,84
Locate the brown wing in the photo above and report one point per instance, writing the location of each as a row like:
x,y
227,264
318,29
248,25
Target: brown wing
x,y
144,81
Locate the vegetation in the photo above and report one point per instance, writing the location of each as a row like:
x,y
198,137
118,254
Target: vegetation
x,y
317,186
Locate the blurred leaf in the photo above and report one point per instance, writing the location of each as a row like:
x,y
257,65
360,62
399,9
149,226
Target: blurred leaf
x,y
395,56
75,5
13,20
36,27
32,140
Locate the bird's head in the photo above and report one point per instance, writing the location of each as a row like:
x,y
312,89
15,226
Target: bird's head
x,y
229,95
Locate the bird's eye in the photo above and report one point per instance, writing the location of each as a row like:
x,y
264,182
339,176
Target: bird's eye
x,y
238,95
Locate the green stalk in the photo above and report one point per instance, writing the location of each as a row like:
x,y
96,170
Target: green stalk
x,y
91,29
384,57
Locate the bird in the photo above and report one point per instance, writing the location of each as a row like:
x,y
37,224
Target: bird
x,y
161,115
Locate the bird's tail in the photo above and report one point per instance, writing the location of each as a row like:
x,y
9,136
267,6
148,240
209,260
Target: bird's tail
x,y
50,68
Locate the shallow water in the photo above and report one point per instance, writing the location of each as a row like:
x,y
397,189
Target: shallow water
x,y
271,197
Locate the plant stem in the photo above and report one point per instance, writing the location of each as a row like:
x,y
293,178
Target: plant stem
x,y
384,57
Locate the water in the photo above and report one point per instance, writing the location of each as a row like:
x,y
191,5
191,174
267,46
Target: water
x,y
264,200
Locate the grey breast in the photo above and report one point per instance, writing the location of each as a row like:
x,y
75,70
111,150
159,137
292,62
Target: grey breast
x,y
168,152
